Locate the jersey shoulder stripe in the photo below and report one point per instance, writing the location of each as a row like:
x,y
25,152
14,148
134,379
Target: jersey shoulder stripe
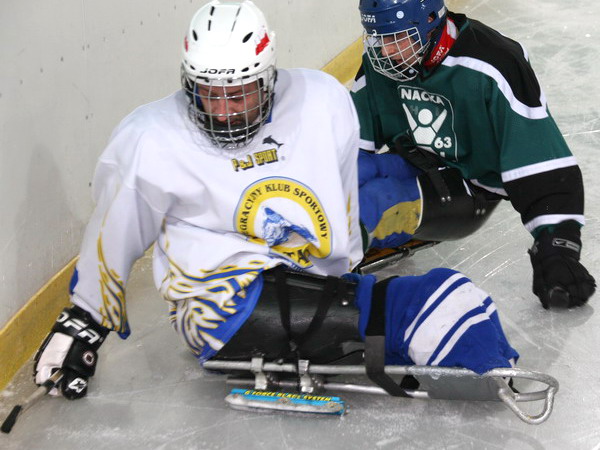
x,y
527,111
507,56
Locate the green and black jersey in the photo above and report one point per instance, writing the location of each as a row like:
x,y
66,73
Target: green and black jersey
x,y
483,111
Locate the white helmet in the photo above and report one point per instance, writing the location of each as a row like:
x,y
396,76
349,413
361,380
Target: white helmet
x,y
228,71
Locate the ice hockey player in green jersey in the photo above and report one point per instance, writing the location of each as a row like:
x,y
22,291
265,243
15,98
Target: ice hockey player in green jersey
x,y
448,92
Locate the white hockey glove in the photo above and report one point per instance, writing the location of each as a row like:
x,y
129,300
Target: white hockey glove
x,y
71,346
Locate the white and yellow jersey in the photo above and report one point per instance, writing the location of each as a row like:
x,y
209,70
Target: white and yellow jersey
x,y
221,217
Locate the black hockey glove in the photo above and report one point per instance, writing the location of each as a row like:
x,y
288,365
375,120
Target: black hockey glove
x,y
559,279
72,346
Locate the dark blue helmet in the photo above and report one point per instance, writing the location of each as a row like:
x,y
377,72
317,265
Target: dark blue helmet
x,y
391,16
400,23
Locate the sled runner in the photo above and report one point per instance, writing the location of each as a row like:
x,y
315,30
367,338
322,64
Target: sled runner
x,y
300,387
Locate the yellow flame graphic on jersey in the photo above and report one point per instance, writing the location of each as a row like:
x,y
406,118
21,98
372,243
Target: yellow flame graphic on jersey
x,y
113,311
217,286
200,304
193,318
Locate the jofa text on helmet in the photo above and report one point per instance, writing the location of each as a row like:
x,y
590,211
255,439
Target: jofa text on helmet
x,y
368,18
422,96
218,71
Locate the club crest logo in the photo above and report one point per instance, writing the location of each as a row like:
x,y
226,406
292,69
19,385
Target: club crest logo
x,y
286,216
431,120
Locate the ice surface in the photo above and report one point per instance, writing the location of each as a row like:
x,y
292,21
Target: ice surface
x,y
149,392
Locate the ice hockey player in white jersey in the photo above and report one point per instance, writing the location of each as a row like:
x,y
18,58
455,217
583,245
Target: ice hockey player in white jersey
x,y
245,170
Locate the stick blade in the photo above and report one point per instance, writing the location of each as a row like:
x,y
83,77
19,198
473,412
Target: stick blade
x,y
11,419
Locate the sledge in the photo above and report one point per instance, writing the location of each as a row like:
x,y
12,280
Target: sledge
x,y
302,386
299,385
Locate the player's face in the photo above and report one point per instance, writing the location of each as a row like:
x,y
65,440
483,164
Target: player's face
x,y
232,105
402,48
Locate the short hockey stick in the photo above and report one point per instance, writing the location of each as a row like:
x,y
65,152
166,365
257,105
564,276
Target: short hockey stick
x,y
39,393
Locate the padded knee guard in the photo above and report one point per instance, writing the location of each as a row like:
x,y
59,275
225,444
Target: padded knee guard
x,y
452,208
320,323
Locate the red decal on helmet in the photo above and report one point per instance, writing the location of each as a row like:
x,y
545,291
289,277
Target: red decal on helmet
x,y
185,43
262,44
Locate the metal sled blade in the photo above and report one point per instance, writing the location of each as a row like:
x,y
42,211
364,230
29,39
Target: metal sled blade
x,y
377,259
447,383
249,399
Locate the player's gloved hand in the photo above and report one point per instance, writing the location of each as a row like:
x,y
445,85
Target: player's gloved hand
x,y
559,279
71,346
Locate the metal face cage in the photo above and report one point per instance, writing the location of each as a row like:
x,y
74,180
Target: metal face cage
x,y
395,55
230,111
